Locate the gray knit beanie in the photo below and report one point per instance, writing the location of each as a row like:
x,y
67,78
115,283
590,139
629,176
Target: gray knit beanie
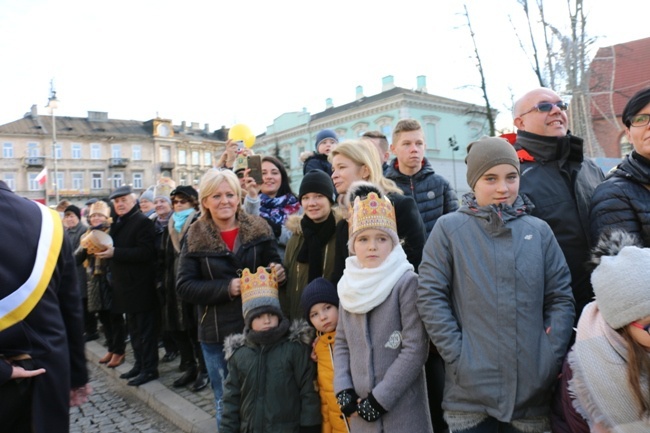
x,y
485,153
620,284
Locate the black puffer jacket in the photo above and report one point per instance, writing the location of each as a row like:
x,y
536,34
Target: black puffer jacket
x,y
623,200
207,266
432,193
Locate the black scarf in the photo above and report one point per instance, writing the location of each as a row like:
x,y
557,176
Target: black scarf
x,y
316,235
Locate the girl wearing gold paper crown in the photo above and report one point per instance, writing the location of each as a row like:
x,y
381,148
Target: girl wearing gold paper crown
x,y
381,344
270,384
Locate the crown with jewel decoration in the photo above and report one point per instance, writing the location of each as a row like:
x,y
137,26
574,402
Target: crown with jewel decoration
x,y
372,212
241,162
259,289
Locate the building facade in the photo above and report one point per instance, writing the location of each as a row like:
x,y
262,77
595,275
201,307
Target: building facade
x,y
448,124
94,155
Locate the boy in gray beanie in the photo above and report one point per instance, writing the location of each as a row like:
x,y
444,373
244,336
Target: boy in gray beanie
x,y
493,281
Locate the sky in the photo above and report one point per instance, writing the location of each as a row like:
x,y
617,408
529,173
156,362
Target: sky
x,y
222,62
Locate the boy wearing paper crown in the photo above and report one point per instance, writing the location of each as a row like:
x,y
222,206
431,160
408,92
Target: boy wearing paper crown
x,y
270,383
381,344
495,296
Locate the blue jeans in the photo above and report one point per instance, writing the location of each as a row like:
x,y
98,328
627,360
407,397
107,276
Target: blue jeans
x,y
215,362
491,425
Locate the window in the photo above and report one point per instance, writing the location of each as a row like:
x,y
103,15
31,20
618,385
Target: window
x,y
207,159
116,151
60,177
33,150
32,185
95,151
195,158
165,154
10,180
136,152
76,151
118,180
431,135
182,156
387,130
57,153
7,150
78,181
96,180
137,180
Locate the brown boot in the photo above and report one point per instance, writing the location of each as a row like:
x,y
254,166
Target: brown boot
x,y
106,358
116,360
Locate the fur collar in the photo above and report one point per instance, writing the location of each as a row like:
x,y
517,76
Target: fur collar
x,y
299,332
204,237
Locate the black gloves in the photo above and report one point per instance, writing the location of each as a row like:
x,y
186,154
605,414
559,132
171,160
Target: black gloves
x,y
347,401
369,409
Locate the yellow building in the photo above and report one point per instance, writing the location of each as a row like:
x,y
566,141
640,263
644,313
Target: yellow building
x,y
94,155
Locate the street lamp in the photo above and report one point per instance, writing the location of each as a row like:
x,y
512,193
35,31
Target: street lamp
x,y
453,144
53,104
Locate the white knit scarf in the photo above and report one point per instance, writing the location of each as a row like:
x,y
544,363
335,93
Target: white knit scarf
x,y
362,289
599,385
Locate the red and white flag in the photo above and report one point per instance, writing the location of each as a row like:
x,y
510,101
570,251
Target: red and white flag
x,y
41,178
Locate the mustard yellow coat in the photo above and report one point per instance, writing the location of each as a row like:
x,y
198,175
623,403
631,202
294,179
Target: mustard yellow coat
x,y
333,421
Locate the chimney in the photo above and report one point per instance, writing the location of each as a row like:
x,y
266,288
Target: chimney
x,y
183,126
34,110
206,129
422,84
359,92
387,83
195,125
328,103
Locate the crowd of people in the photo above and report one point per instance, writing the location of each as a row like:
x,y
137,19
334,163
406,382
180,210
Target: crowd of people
x,y
373,300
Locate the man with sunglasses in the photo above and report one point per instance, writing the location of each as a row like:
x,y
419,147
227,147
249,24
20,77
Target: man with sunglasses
x,y
558,179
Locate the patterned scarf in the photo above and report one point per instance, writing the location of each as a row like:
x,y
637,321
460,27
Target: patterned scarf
x,y
278,208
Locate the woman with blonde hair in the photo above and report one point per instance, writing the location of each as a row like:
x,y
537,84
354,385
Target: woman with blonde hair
x,y
218,245
354,160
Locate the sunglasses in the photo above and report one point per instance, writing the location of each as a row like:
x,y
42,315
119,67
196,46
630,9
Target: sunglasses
x,y
179,201
545,107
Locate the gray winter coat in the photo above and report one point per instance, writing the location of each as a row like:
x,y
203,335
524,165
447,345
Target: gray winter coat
x,y
492,281
384,351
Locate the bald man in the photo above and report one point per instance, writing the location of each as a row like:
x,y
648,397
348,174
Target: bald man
x,y
558,179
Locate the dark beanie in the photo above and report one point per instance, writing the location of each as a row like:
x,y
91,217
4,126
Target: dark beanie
x,y
74,209
323,134
487,152
319,290
187,191
319,182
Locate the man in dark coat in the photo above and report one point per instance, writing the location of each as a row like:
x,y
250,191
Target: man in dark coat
x,y
133,274
558,179
42,362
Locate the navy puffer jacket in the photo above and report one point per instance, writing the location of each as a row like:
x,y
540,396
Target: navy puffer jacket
x,y
432,193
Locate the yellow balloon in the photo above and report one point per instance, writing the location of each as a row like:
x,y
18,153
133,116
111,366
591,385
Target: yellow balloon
x,y
241,132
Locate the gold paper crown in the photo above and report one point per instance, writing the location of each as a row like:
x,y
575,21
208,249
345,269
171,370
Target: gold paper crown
x,y
258,289
372,213
241,162
95,241
100,207
164,187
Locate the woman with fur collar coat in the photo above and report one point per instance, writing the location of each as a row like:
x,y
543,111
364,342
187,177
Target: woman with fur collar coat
x,y
221,243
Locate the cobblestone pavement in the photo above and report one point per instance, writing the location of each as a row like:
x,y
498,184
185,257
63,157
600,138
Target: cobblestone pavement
x,y
178,409
111,409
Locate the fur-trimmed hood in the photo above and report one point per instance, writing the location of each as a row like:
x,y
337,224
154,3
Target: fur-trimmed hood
x,y
299,332
204,236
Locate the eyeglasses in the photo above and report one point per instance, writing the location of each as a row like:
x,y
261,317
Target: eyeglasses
x,y
646,328
639,120
545,107
180,201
